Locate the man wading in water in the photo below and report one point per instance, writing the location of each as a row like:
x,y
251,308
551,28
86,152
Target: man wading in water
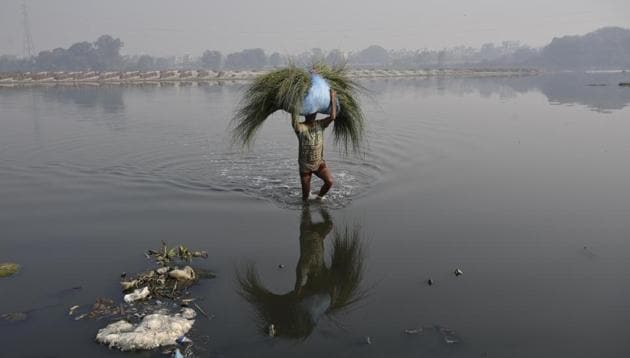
x,y
310,135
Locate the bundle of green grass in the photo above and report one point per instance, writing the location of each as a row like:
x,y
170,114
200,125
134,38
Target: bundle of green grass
x,y
285,89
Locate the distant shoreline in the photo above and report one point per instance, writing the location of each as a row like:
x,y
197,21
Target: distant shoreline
x,y
203,76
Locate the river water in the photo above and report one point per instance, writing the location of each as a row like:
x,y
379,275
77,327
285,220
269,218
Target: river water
x,y
523,183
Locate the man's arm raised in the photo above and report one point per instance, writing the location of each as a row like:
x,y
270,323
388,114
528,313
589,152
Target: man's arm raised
x,y
333,109
295,122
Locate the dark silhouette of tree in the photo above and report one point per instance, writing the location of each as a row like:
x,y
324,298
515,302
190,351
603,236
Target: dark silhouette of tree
x,y
246,59
373,55
103,54
276,60
441,58
107,50
145,63
212,60
606,48
80,56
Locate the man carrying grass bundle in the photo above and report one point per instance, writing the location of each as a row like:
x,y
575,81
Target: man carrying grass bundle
x,y
324,90
310,135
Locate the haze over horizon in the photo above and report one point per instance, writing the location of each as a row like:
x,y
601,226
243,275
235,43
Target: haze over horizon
x,y
167,28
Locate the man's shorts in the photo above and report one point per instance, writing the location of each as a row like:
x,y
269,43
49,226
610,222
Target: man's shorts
x,y
306,171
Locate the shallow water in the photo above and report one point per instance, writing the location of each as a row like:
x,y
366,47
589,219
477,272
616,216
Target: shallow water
x,y
520,182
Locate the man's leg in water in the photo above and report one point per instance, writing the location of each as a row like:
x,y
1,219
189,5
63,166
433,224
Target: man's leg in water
x,y
326,175
305,179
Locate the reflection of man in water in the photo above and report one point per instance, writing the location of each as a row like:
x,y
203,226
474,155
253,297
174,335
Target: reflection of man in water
x,y
312,235
319,289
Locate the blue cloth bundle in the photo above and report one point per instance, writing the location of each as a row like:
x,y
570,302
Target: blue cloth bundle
x,y
317,99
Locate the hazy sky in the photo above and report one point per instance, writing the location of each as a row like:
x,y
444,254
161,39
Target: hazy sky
x,y
161,27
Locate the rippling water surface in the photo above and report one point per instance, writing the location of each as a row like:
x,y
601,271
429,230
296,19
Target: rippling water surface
x,y
522,183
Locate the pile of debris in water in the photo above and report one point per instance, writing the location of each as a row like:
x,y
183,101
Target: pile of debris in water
x,y
169,280
448,335
156,309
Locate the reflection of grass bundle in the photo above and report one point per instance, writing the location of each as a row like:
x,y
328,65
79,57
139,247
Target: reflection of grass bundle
x,y
341,281
346,269
285,89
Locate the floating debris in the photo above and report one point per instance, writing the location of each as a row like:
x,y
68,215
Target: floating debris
x,y
155,330
145,320
205,274
448,335
368,340
188,313
14,316
183,340
271,331
161,284
430,282
169,280
458,272
72,309
413,331
185,274
166,255
103,307
202,311
281,266
129,285
202,254
8,268
624,84
137,295
187,301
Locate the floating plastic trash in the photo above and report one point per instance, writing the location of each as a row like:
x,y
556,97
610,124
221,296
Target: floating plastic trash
x,y
128,285
271,330
155,330
458,272
183,340
72,309
137,295
188,313
14,316
185,274
413,331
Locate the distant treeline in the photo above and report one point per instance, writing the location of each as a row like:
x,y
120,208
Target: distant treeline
x,y
606,48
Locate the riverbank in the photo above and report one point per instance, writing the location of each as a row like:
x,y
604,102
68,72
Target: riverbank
x,y
203,76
